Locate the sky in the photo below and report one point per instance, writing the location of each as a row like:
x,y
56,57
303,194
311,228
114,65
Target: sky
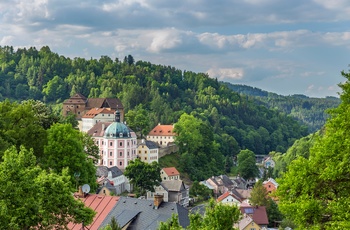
x,y
282,46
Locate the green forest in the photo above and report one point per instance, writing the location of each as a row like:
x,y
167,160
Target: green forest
x,y
308,111
163,93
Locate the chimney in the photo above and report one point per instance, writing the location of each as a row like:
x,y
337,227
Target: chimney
x,y
158,199
103,127
143,141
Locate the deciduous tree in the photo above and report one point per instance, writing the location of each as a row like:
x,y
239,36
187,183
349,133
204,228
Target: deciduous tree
x,y
143,175
35,198
247,167
315,192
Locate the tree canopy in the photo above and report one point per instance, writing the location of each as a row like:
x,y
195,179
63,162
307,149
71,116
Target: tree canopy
x,y
247,167
314,192
35,198
142,175
217,216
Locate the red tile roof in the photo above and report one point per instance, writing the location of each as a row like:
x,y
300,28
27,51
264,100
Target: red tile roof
x,y
95,111
162,130
258,214
226,194
102,205
171,171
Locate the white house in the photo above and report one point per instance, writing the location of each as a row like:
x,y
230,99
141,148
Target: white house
x,y
162,134
95,115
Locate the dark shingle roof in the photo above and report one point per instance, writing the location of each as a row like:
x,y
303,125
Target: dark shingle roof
x,y
103,171
150,144
147,217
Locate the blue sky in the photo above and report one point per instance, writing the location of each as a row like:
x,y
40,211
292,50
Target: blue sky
x,y
282,46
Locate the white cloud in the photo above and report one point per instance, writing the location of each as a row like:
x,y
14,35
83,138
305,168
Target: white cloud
x,y
226,74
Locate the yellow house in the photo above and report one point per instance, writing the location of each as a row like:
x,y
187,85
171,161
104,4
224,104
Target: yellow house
x,y
147,151
247,223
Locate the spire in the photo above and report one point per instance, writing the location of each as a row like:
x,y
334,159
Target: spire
x,y
117,115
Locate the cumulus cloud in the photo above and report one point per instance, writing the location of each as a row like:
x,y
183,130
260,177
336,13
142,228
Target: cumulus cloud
x,y
226,74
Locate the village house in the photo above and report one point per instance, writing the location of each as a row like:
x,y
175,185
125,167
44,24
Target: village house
x,y
257,213
169,173
231,198
130,213
117,143
172,191
271,185
148,151
162,134
79,105
95,115
111,179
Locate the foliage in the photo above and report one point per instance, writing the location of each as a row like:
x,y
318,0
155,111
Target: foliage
x,y
314,192
273,213
34,198
163,91
143,175
300,147
309,111
217,216
200,156
22,124
171,224
65,149
113,225
247,167
200,191
138,120
259,195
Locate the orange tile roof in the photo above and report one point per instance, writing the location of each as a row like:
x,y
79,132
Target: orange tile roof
x,y
162,130
171,171
102,205
95,111
223,196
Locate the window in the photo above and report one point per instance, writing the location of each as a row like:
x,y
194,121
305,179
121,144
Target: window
x,y
110,163
120,143
139,151
110,154
111,143
120,163
128,154
120,154
145,158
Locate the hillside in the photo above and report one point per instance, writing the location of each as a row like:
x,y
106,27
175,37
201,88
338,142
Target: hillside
x,y
163,93
309,111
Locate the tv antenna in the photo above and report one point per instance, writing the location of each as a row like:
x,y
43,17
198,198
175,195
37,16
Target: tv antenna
x,y
86,188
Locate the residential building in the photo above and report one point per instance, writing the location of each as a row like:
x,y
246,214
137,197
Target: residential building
x,y
271,185
268,162
147,151
247,223
221,184
257,213
172,191
141,214
169,173
231,198
102,205
95,115
79,105
162,134
116,142
113,176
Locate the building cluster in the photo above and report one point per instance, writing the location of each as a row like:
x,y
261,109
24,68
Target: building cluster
x,y
103,120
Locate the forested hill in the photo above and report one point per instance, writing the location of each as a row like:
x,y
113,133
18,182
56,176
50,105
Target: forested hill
x,y
309,111
163,91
